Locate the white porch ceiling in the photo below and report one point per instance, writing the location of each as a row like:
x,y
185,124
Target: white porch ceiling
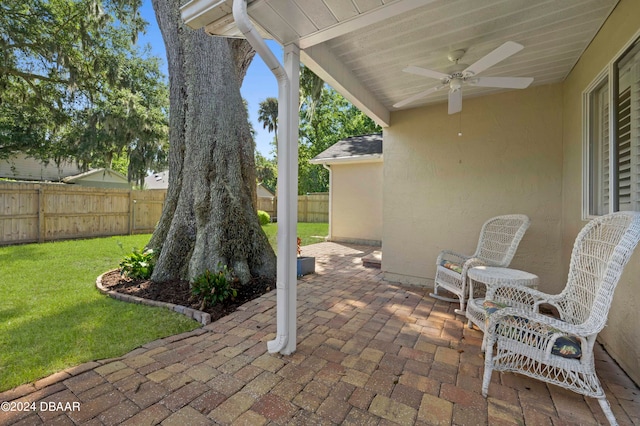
x,y
360,47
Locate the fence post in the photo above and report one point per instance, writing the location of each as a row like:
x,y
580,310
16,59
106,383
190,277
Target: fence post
x,y
41,209
131,213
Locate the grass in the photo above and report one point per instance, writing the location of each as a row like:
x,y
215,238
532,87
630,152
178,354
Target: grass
x,y
52,317
310,233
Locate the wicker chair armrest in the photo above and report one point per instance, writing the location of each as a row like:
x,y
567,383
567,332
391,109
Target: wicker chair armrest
x,y
526,325
451,256
516,296
472,262
538,318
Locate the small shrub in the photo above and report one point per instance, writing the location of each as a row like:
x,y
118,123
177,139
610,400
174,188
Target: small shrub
x,y
264,217
139,264
214,287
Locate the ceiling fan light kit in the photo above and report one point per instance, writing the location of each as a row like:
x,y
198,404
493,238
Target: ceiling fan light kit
x,y
462,74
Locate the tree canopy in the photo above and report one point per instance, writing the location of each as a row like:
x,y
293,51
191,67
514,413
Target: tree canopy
x,y
325,118
334,118
73,84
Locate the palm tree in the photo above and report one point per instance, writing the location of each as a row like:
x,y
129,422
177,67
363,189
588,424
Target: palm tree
x,y
268,115
310,92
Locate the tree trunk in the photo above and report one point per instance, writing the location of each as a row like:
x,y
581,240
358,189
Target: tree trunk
x,y
209,215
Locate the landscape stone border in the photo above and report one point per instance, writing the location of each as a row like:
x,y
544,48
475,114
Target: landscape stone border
x,y
202,317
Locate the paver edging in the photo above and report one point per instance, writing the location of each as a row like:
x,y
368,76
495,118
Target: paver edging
x,y
202,317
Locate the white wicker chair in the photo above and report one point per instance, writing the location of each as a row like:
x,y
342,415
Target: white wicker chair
x,y
526,341
499,239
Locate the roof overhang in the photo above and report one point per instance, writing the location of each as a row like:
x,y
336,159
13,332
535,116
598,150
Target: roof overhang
x,y
360,47
373,158
217,19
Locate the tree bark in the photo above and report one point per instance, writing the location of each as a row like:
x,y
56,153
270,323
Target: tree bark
x,y
209,216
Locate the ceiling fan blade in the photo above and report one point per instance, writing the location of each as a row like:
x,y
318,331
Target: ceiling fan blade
x,y
506,82
417,96
455,101
497,55
425,72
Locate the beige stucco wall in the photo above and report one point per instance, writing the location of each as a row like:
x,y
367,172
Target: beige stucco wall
x,y
622,335
356,202
440,188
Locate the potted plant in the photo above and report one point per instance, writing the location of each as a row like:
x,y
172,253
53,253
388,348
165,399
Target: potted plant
x,y
305,264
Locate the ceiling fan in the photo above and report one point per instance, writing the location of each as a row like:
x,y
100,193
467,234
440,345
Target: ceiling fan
x,y
466,74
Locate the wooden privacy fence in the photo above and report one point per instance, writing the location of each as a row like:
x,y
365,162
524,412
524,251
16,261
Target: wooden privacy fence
x,y
311,207
39,212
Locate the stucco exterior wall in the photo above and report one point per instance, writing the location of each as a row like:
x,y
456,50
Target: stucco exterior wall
x,y
440,188
621,337
356,202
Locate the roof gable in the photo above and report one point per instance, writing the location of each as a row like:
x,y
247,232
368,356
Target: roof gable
x,y
352,149
100,174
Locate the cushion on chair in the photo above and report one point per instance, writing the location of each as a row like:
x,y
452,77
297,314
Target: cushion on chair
x,y
567,346
456,267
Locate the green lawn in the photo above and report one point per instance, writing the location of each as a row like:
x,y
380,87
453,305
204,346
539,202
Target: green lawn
x,y
310,233
52,317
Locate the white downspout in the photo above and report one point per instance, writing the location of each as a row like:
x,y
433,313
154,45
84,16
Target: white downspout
x,y
330,196
288,87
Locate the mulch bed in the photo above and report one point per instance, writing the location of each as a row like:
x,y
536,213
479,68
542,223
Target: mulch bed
x,y
178,292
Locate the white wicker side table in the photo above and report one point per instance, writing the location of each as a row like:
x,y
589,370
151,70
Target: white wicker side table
x,y
490,275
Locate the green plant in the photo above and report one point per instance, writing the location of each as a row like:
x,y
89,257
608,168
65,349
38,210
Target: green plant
x,y
263,217
139,264
214,287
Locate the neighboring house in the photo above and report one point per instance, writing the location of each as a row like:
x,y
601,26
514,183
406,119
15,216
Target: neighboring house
x,y
264,192
545,151
158,180
355,189
99,178
21,167
267,201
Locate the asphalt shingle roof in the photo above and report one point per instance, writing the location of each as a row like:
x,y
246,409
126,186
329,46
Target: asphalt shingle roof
x,y
355,146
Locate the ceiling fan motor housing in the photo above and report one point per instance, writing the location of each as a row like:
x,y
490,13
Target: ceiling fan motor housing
x,y
455,83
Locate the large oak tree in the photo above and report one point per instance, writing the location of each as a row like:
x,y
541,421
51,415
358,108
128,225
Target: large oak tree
x,y
209,215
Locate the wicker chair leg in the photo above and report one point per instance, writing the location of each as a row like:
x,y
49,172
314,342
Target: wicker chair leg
x,y
435,295
488,368
606,408
462,311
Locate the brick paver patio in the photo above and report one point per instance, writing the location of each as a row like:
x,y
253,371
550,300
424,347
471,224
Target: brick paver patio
x,y
369,352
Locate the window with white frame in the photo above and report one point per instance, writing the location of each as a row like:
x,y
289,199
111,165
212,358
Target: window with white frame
x,y
613,114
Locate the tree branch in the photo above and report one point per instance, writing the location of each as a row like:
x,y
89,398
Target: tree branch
x,y
29,77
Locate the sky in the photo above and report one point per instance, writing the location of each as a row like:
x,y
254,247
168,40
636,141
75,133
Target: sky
x,y
259,82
